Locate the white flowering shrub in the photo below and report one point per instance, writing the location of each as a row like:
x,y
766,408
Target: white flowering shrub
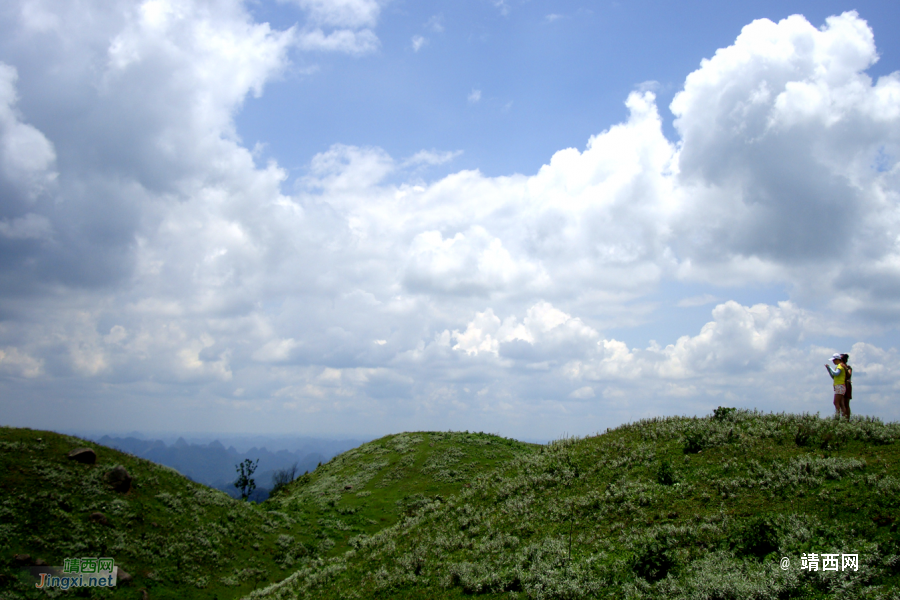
x,y
171,502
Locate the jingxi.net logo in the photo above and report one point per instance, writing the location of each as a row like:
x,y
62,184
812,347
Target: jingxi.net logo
x,y
77,572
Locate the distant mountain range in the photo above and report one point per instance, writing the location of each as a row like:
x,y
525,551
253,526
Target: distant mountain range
x,y
214,465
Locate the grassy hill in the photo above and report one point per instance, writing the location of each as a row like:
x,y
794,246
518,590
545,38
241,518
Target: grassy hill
x,y
179,539
700,508
665,508
365,490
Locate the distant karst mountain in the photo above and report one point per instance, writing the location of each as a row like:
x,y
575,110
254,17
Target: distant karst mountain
x,y
213,464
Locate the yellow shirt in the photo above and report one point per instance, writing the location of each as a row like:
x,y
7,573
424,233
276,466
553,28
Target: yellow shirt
x,y
841,377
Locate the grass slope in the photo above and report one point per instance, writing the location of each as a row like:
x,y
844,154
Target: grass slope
x,y
664,508
180,539
177,538
369,488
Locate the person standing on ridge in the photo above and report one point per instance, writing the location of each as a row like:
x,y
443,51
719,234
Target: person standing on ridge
x,y
848,393
839,375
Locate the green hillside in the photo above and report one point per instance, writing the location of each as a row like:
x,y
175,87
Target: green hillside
x,y
665,508
699,508
179,539
365,490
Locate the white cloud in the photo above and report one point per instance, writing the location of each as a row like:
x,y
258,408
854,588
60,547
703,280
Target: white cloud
x,y
342,40
435,23
431,157
339,26
480,334
19,364
583,393
876,374
343,13
194,366
474,96
740,340
344,168
162,255
543,328
27,227
471,262
276,350
27,158
417,42
778,133
701,300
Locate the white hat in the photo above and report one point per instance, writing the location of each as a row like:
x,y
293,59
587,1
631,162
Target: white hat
x,y
835,356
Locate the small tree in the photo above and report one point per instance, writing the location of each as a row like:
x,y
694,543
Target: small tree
x,y
282,477
245,481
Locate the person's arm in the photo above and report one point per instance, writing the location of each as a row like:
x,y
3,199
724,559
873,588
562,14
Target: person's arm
x,y
832,372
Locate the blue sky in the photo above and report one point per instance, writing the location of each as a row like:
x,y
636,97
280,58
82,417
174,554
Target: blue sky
x,y
550,74
357,217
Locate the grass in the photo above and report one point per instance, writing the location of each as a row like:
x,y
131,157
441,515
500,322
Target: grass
x,y
664,508
365,490
687,508
180,539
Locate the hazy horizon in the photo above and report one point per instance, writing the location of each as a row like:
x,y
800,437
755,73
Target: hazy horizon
x,y
242,441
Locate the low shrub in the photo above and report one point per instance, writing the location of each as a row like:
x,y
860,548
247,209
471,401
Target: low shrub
x,y
665,475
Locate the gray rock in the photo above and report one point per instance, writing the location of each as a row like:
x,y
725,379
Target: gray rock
x,y
83,455
122,577
119,479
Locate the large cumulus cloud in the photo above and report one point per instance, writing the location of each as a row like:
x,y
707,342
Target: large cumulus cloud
x,y
789,155
151,264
